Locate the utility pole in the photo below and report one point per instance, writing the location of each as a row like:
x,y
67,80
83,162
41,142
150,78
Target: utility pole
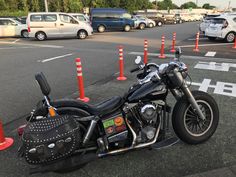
x,y
46,5
229,5
156,4
197,2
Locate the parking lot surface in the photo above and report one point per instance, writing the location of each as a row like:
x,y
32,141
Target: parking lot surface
x,y
212,70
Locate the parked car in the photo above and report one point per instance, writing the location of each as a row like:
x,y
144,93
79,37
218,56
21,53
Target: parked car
x,y
187,17
157,17
169,19
150,23
43,25
80,17
222,27
178,18
111,19
196,17
11,28
140,22
206,22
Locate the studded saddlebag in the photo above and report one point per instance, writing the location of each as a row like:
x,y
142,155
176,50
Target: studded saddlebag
x,y
49,140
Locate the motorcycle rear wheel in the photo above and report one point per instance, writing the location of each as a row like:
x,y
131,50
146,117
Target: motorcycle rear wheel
x,y
186,122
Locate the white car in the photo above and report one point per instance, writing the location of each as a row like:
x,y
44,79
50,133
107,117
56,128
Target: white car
x,y
223,27
12,28
206,22
43,25
150,23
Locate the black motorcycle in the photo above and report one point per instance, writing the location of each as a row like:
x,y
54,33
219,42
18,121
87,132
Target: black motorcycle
x,y
67,133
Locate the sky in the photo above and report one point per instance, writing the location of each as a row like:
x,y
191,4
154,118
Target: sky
x,y
218,3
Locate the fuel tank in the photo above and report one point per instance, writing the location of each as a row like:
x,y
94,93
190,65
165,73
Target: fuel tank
x,y
147,92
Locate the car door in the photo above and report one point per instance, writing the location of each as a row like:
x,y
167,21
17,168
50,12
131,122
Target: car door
x,y
68,26
8,28
51,25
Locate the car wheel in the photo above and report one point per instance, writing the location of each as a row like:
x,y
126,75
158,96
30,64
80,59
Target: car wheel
x,y
127,28
180,21
159,24
230,37
142,26
101,29
41,36
24,34
211,38
151,25
82,34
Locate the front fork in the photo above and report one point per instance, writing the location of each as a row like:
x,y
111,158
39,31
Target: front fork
x,y
192,100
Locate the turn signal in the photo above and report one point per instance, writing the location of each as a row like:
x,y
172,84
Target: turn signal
x,y
118,121
52,112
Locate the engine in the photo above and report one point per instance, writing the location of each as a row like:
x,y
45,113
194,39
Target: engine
x,y
144,119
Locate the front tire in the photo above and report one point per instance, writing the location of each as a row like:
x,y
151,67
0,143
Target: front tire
x,y
101,28
151,25
40,36
142,26
82,34
127,28
24,34
230,37
159,23
187,124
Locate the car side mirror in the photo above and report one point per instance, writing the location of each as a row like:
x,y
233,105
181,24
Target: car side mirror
x,y
178,52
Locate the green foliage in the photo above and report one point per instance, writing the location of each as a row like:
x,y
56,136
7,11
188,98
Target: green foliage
x,y
188,5
165,5
3,5
208,6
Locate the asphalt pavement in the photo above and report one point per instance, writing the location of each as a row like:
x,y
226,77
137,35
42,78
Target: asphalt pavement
x,y
21,59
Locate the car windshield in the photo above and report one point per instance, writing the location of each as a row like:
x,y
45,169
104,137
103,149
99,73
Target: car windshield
x,y
126,15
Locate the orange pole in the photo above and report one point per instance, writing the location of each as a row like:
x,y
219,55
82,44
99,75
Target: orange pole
x,y
145,59
196,49
121,64
4,142
162,53
234,47
173,42
80,81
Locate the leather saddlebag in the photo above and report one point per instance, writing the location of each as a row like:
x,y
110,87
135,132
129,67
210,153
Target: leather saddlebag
x,y
50,139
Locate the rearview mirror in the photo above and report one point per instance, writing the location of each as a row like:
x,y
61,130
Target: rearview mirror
x,y
178,52
138,60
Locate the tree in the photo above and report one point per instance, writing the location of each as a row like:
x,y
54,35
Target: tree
x,y
75,6
3,5
188,5
208,6
35,6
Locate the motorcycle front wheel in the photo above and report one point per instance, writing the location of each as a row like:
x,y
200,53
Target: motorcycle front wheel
x,y
186,123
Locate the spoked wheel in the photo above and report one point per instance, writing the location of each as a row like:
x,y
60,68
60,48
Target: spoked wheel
x,y
193,124
189,127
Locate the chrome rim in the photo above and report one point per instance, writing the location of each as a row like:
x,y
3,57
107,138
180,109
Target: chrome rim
x,y
159,23
82,35
142,26
150,25
230,37
127,28
41,36
101,29
25,34
194,125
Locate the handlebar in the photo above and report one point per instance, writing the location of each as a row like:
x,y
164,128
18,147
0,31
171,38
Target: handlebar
x,y
134,70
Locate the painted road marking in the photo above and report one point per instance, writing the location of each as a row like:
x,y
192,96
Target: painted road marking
x,y
16,41
204,45
215,66
210,54
185,57
54,58
221,88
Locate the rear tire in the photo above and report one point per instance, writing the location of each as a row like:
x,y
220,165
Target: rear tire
x,y
159,23
82,34
40,36
127,28
101,28
230,37
142,26
24,34
151,25
186,122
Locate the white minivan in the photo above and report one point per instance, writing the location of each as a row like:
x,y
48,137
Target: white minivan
x,y
43,25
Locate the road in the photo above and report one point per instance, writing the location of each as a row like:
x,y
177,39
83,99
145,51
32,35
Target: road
x,y
21,59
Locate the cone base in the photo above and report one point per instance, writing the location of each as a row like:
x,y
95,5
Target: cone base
x,y
162,56
173,50
121,78
85,99
234,47
196,50
6,144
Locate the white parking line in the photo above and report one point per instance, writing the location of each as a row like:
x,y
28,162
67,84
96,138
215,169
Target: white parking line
x,y
36,45
7,48
210,54
185,57
16,41
202,45
54,58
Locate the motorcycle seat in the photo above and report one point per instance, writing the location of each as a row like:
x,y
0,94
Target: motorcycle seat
x,y
108,106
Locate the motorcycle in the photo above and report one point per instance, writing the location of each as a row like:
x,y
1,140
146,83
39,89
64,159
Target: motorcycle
x,y
63,133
